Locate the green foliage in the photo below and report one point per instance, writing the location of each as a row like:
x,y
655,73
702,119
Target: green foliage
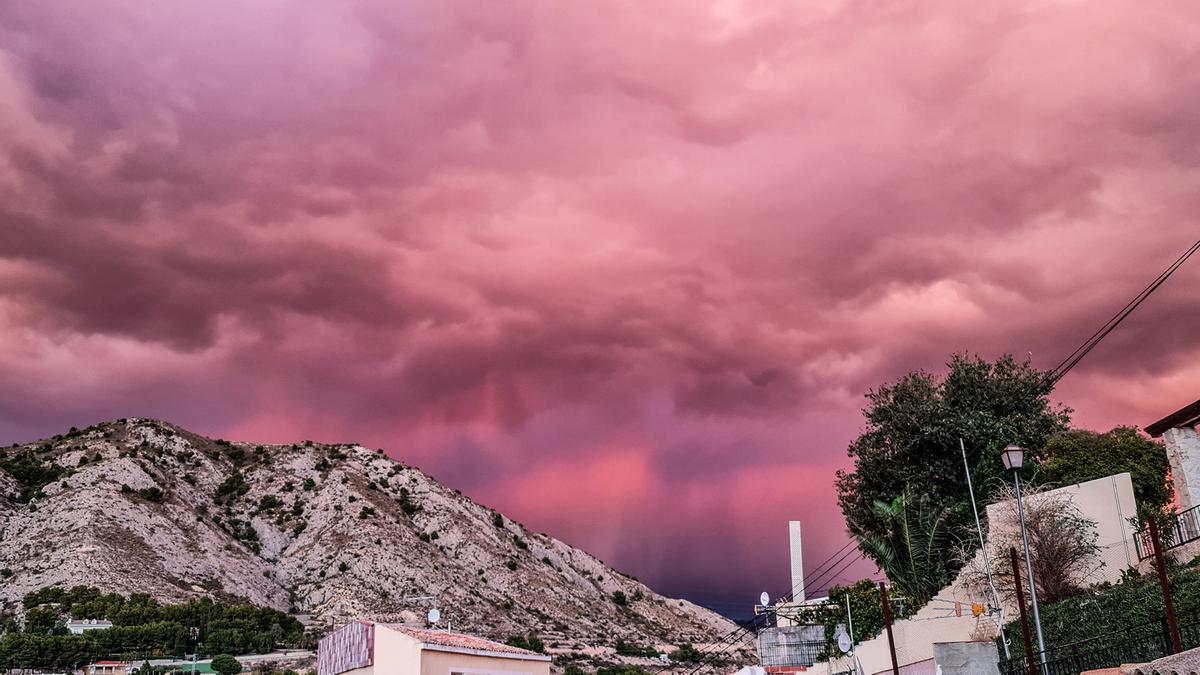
x,y
1134,605
511,564
573,669
497,519
226,664
686,654
31,474
913,426
618,597
531,642
866,606
142,628
309,484
232,487
407,505
909,542
269,503
633,649
1077,455
152,494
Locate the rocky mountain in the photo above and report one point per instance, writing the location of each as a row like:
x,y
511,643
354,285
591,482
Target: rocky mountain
x,y
332,531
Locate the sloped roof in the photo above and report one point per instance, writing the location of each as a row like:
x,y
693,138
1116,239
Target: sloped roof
x,y
456,641
1184,417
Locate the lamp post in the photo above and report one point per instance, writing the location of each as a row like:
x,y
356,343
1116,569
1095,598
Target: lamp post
x,y
1013,457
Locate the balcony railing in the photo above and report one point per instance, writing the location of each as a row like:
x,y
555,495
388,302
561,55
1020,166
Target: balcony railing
x,y
1184,528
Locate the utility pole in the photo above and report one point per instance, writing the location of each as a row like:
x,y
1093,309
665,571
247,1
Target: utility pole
x,y
1012,551
987,564
887,622
1172,625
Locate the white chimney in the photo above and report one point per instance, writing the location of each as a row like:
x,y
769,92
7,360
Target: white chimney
x,y
797,561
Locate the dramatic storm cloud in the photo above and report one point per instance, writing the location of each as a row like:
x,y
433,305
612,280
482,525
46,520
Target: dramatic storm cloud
x,y
622,270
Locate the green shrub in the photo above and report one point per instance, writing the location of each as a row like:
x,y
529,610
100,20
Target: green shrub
x,y
633,649
226,664
152,494
686,654
618,597
31,474
232,487
531,642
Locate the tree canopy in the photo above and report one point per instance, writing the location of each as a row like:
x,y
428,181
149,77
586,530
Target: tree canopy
x,y
911,443
141,627
1076,456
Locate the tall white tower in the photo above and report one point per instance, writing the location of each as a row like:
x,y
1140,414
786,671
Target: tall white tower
x,y
797,561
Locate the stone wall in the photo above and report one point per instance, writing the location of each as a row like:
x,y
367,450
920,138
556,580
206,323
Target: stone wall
x,y
966,658
1183,451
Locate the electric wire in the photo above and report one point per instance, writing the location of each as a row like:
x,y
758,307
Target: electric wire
x,y
1109,326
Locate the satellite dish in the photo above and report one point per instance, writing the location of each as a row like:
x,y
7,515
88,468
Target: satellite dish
x,y
843,639
764,599
434,615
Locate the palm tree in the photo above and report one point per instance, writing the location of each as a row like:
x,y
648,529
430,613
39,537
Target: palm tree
x,y
914,550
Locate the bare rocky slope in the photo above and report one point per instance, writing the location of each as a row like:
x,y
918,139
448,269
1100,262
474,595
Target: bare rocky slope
x,y
332,531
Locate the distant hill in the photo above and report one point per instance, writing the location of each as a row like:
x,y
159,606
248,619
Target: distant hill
x,y
332,531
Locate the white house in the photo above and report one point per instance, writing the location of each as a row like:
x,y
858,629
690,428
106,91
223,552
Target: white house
x,y
368,648
81,626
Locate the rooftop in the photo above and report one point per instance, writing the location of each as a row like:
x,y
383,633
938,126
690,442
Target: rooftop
x,y
441,638
1188,416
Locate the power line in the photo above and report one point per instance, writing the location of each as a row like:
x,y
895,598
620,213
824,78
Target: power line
x,y
1088,345
832,580
830,573
817,571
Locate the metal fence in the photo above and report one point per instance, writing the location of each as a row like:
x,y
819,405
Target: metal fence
x,y
1138,644
1184,528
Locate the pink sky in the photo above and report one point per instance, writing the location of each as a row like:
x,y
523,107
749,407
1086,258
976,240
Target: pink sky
x,y
622,270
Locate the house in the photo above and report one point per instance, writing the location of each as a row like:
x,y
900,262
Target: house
x,y
367,648
108,668
81,626
1178,431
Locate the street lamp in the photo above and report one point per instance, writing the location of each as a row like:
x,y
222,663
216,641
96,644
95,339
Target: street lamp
x,y
1013,457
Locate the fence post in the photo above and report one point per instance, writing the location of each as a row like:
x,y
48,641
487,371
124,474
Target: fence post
x,y
1012,552
887,621
1172,625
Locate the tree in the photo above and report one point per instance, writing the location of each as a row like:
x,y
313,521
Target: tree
x,y
226,664
1076,456
865,606
911,545
687,653
1062,543
911,441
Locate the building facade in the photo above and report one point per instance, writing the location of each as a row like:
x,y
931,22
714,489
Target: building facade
x,y
369,648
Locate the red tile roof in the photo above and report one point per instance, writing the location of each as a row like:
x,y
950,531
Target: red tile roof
x,y
442,638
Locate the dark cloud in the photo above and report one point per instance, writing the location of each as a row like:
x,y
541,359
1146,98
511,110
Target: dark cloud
x,y
622,274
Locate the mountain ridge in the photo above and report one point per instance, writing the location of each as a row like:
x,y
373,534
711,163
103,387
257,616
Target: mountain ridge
x,y
334,531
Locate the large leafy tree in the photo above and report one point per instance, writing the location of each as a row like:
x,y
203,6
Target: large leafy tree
x,y
1076,456
911,443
